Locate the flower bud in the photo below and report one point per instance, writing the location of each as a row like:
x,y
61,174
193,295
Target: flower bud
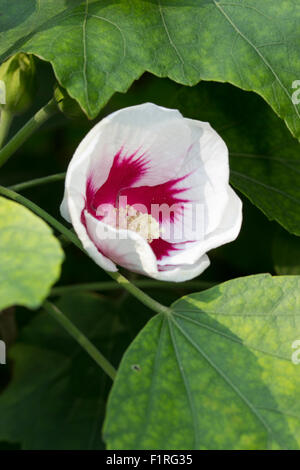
x,y
66,104
18,75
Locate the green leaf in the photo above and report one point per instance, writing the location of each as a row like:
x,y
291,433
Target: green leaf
x,y
57,394
99,47
286,253
215,374
30,256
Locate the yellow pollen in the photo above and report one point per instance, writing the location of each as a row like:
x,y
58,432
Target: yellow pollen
x,y
144,224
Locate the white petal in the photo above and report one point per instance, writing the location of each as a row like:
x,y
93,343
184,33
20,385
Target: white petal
x,y
77,173
75,205
64,210
226,232
212,176
230,224
159,133
206,164
131,252
183,272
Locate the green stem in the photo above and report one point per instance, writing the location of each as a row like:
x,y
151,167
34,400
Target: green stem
x,y
5,121
135,291
38,182
81,339
144,284
22,135
139,294
39,211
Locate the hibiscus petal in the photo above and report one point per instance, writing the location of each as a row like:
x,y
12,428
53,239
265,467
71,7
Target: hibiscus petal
x,y
183,272
75,206
159,135
203,181
211,175
226,232
124,247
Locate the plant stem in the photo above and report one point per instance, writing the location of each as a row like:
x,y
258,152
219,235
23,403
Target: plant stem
x,y
39,211
5,121
139,294
38,182
22,135
80,338
145,284
135,291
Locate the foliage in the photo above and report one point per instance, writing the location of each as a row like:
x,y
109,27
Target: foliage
x,y
30,257
210,367
219,368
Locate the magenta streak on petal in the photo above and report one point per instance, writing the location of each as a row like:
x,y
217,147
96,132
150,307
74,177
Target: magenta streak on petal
x,y
165,193
162,248
125,171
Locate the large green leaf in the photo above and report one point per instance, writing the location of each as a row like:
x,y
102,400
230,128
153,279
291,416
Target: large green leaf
x,y
57,394
30,256
99,47
215,374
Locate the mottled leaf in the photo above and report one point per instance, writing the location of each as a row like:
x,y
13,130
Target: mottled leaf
x,y
217,373
30,256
